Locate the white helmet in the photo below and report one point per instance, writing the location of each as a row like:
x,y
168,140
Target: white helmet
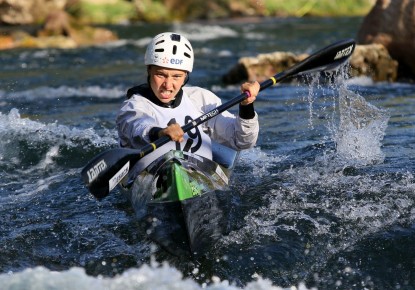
x,y
170,50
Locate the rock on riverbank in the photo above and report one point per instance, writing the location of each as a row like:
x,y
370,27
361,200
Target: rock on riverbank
x,y
392,24
372,60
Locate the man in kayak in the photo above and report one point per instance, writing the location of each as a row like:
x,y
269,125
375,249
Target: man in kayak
x,y
162,105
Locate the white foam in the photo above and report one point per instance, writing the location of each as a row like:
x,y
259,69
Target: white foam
x,y
142,42
200,32
145,277
64,91
21,137
360,81
258,161
14,125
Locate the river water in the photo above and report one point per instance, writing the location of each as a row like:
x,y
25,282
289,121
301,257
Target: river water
x,y
325,200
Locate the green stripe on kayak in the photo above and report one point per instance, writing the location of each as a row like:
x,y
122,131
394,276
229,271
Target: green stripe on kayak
x,y
184,186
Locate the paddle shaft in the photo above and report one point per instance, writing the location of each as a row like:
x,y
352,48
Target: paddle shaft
x,y
325,59
108,168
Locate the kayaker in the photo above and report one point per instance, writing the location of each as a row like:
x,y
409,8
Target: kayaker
x,y
163,104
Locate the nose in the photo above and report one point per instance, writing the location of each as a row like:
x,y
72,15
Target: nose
x,y
168,82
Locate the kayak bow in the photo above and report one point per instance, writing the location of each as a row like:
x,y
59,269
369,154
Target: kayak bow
x,y
176,193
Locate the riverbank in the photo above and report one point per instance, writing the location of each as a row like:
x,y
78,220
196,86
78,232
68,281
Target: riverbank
x,y
121,11
94,12
72,23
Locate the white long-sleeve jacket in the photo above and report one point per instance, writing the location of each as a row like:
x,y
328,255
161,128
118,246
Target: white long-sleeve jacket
x,y
138,115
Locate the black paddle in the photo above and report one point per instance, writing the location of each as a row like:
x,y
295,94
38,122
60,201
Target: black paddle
x,y
107,169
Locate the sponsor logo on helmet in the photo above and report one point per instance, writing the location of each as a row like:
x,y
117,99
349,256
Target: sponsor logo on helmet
x,y
176,61
166,60
173,61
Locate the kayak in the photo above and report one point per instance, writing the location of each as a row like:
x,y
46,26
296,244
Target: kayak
x,y
175,195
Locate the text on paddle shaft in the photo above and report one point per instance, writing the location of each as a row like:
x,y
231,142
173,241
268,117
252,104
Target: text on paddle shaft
x,y
209,115
96,170
344,52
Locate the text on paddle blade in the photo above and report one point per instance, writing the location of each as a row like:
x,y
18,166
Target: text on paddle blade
x,y
344,52
96,170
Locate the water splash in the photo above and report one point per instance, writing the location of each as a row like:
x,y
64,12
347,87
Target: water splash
x,y
312,194
361,129
356,126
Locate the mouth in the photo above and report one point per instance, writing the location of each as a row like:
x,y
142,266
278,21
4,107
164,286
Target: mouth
x,y
166,94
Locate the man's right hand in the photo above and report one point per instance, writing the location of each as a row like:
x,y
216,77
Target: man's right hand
x,y
174,131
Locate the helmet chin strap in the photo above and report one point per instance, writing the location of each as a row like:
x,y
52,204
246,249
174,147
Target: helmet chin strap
x,y
187,79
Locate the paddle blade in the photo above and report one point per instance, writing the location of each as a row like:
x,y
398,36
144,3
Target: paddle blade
x,y
326,59
107,169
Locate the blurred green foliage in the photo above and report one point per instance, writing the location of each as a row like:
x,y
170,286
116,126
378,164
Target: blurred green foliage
x,y
117,12
300,8
186,10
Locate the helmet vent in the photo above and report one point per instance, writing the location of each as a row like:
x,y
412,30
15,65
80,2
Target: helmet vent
x,y
187,55
159,50
188,47
174,49
158,42
175,37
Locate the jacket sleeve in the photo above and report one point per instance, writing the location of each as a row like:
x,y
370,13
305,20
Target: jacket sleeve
x,y
235,132
226,128
134,123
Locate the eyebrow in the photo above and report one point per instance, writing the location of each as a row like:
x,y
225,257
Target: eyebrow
x,y
166,73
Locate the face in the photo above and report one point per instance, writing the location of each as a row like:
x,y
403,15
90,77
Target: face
x,y
166,82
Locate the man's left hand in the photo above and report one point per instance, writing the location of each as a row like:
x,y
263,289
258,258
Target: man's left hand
x,y
252,88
